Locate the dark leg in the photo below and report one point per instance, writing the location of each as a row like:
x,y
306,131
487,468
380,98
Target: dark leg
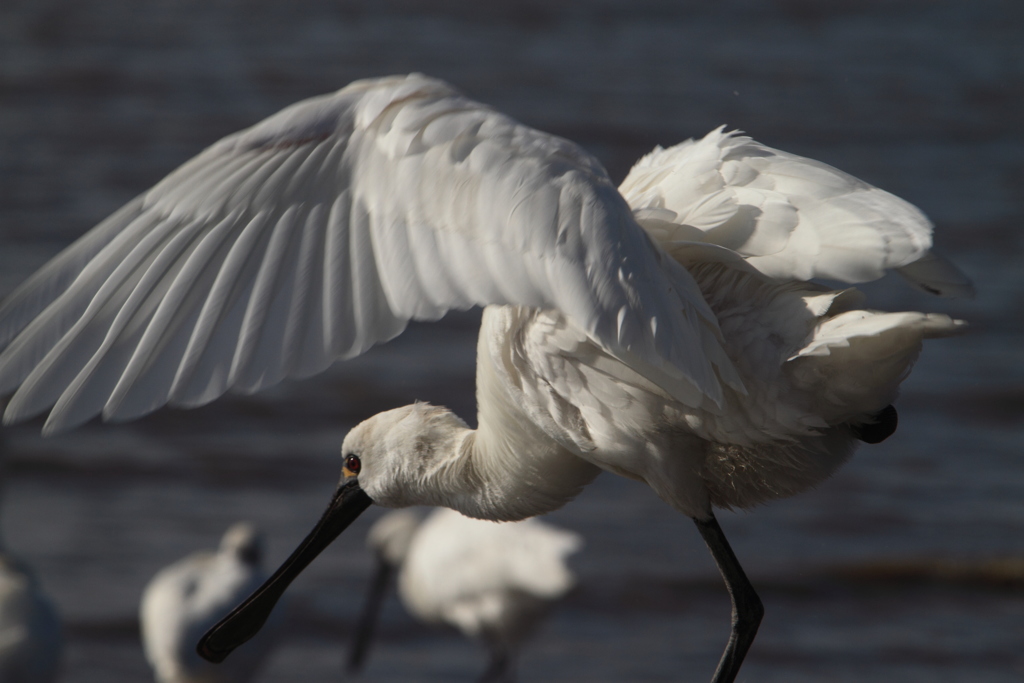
x,y
746,606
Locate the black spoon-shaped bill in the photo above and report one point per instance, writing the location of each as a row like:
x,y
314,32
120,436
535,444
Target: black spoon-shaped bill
x,y
247,619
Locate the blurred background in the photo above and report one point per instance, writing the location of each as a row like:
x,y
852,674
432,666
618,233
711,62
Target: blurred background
x,y
908,565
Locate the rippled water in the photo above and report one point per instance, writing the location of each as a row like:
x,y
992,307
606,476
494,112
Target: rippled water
x,y
884,573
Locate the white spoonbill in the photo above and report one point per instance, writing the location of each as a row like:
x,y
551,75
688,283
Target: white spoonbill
x,y
30,630
492,581
189,596
666,332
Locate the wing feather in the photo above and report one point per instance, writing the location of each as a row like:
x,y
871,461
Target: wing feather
x,y
25,303
789,216
303,329
373,319
257,358
322,231
145,289
47,315
108,284
206,296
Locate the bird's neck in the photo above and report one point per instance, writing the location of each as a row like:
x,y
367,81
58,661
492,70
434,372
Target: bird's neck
x,y
489,473
502,479
508,468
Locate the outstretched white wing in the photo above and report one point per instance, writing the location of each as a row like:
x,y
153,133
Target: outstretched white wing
x,y
320,232
789,216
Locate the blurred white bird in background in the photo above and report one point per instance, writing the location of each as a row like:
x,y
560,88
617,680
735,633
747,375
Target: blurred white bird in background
x,y
493,582
30,630
187,597
667,333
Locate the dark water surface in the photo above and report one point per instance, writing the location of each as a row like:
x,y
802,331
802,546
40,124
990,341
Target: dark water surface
x,y
888,572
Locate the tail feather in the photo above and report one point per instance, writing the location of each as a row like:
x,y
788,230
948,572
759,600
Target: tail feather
x,y
855,361
936,275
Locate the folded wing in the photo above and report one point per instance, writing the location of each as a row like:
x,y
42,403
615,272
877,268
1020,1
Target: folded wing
x,y
790,217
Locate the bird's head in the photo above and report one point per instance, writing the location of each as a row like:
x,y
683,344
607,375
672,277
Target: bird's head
x,y
395,455
390,459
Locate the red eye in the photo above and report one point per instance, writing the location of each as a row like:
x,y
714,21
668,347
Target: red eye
x,y
352,464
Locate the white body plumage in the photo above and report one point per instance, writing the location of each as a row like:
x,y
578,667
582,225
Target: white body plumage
x,y
186,598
